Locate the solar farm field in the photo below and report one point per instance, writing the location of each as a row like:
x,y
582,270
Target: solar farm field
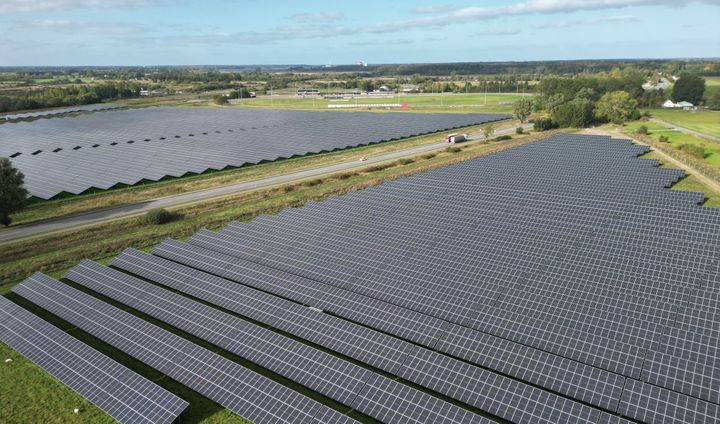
x,y
101,151
559,281
60,111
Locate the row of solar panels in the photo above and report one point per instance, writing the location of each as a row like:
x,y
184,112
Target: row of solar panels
x,y
96,152
59,111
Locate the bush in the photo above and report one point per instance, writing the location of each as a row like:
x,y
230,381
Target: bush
x,y
503,137
379,167
664,139
544,124
693,150
405,161
346,175
642,130
160,216
453,149
312,183
429,156
519,130
714,101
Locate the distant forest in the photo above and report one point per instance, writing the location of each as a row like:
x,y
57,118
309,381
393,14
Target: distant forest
x,y
707,67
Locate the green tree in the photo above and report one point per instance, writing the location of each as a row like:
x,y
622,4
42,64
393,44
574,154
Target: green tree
x,y
714,101
488,130
13,194
219,99
522,109
576,113
553,102
615,107
689,88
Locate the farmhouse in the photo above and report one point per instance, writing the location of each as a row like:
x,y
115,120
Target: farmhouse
x,y
669,104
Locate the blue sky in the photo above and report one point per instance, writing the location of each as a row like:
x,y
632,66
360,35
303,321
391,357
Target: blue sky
x,y
178,32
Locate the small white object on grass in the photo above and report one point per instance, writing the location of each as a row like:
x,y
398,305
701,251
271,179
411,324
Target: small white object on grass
x,y
8,360
76,410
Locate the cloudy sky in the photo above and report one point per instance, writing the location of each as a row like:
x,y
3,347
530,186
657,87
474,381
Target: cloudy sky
x,y
173,32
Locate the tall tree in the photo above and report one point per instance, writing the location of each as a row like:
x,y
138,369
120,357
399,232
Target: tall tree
x,y
522,109
13,194
689,88
616,107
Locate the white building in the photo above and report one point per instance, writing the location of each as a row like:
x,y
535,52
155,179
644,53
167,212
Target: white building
x,y
669,104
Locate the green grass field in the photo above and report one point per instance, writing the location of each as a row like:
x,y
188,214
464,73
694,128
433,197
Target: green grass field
x,y
677,138
712,86
690,183
460,103
704,121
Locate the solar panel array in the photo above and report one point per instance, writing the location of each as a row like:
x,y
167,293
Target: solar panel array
x,y
123,394
103,150
237,388
559,281
565,264
59,111
322,372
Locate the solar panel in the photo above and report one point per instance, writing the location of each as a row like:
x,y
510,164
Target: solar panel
x,y
506,398
239,389
564,263
329,375
652,404
385,400
58,111
559,281
103,150
124,395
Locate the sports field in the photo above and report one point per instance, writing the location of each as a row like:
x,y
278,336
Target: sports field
x,y
476,102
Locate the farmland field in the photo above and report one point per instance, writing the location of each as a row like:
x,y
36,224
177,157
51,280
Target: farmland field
x,y
712,86
678,138
704,121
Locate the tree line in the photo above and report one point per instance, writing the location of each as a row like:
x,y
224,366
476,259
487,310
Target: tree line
x,y
69,96
606,97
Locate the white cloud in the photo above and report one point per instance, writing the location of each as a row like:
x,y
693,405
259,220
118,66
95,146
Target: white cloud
x,y
319,25
580,22
439,8
471,14
317,17
495,32
82,27
16,6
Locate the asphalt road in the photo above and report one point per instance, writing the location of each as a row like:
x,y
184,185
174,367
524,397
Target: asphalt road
x,y
20,232
687,130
